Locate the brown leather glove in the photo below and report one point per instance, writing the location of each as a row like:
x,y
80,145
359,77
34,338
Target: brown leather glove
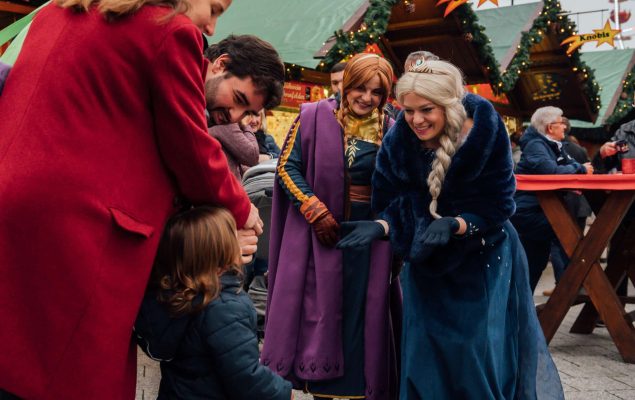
x,y
327,230
324,225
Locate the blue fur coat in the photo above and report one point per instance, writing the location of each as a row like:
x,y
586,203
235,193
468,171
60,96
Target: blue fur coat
x,y
470,329
479,184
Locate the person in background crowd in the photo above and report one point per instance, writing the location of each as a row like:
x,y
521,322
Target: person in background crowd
x,y
337,74
576,203
620,146
239,145
572,146
328,326
94,161
470,329
542,153
267,146
195,319
609,160
514,139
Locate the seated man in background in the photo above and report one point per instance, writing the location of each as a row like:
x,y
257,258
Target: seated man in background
x,y
542,153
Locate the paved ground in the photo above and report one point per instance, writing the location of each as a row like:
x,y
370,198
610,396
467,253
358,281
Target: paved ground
x,y
590,366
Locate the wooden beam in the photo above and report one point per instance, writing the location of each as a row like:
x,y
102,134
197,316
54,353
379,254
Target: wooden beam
x,y
417,24
391,54
422,40
15,8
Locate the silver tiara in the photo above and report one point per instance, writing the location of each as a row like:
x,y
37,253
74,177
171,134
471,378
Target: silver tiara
x,y
421,66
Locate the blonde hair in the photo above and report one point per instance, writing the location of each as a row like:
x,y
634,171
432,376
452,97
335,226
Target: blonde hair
x,y
441,83
113,9
359,70
197,246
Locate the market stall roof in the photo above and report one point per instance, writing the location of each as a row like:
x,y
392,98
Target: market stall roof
x,y
303,31
611,70
526,41
504,26
424,27
297,29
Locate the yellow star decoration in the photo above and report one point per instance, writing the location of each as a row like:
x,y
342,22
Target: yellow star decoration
x,y
481,2
604,35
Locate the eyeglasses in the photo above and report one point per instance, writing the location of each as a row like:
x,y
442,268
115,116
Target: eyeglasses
x,y
558,123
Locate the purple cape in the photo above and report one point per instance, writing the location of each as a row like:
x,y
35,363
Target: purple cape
x,y
304,307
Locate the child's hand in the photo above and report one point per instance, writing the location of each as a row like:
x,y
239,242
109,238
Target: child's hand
x,y
248,242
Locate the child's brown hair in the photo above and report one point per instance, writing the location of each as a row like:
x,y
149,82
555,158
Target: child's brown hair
x,y
197,246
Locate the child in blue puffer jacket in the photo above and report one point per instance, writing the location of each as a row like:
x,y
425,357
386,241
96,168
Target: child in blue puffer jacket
x,y
195,318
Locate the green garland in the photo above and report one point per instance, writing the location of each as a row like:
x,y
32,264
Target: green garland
x,y
469,23
625,102
506,81
349,43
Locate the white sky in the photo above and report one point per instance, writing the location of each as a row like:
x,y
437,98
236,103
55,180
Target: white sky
x,y
586,22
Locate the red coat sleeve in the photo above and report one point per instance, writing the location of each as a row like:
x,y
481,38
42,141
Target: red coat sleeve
x,y
178,101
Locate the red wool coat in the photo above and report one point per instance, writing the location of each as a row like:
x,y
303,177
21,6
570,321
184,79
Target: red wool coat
x,y
101,126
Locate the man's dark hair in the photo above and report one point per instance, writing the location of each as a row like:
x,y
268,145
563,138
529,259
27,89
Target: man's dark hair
x,y
250,56
338,67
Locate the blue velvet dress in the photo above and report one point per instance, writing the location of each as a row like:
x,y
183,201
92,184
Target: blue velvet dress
x,y
470,329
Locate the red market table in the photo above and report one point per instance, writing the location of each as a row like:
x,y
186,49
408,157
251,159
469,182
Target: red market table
x,y
611,197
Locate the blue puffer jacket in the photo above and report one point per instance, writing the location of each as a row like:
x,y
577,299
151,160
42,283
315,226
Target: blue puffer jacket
x,y
541,156
212,354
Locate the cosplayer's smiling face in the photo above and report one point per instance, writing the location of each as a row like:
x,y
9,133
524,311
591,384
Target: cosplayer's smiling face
x,y
426,119
365,98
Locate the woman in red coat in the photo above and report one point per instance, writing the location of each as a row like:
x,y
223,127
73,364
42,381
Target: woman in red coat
x,y
102,129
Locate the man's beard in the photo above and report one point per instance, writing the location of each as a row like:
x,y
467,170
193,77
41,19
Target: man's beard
x,y
217,116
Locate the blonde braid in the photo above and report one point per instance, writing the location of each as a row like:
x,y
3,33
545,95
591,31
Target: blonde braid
x,y
449,143
440,166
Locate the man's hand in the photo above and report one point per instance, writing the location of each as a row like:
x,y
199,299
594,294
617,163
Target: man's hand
x,y
608,149
589,168
248,242
253,221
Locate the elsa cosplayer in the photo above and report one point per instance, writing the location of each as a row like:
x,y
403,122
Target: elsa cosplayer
x,y
444,184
